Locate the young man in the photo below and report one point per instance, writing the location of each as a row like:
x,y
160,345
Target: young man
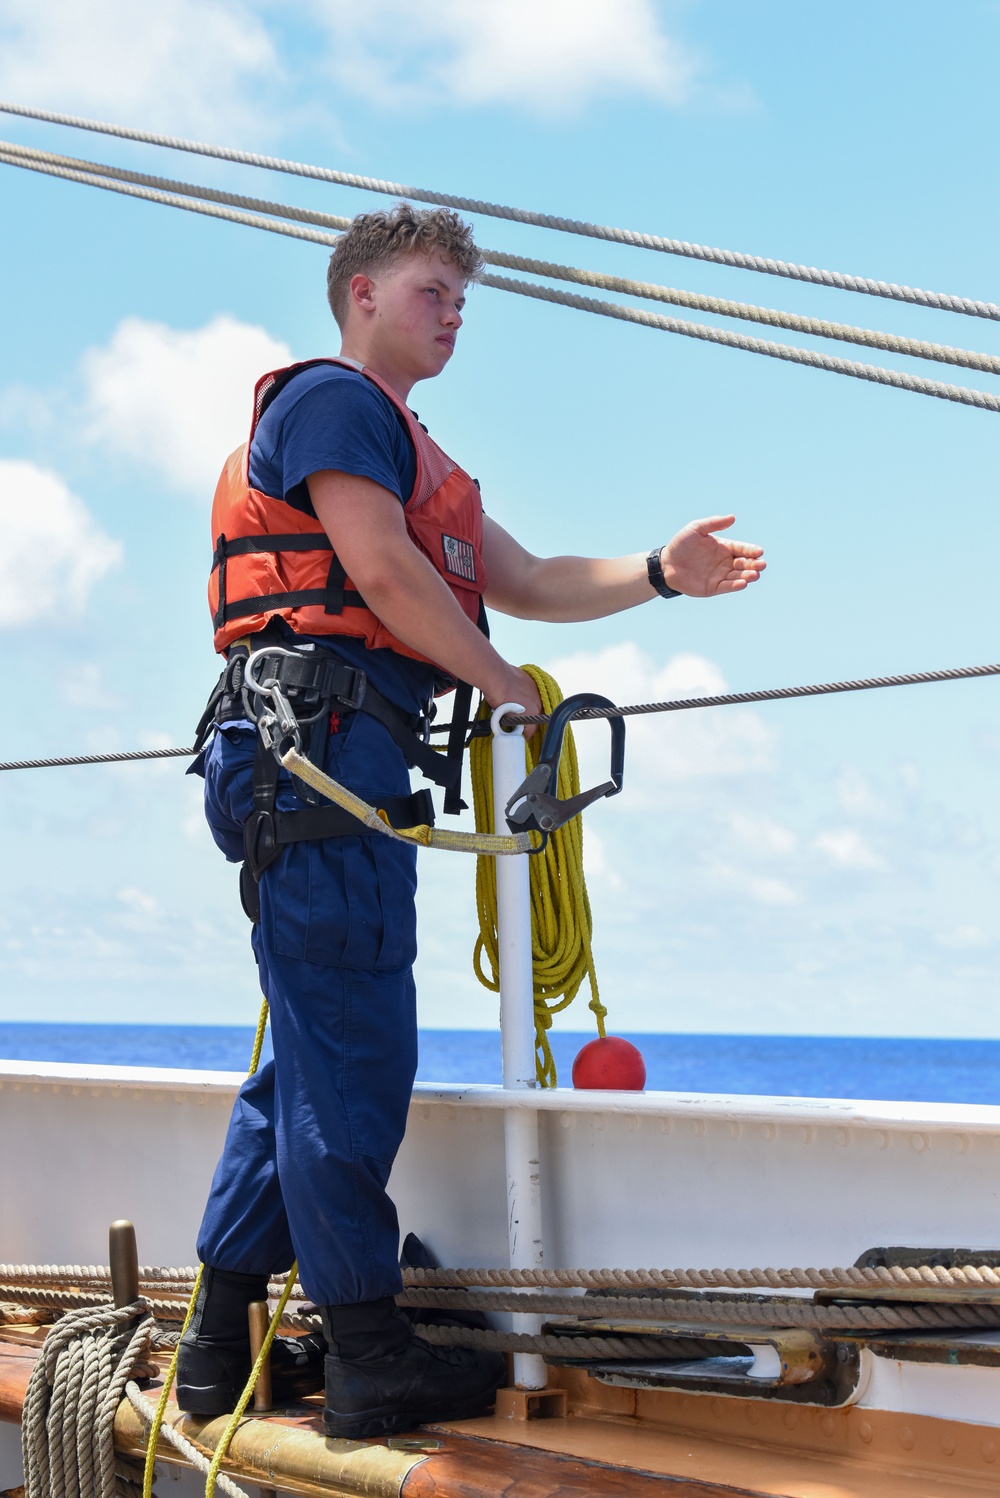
x,y
337,460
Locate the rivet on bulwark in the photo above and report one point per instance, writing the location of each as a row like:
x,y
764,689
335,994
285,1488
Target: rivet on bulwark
x,y
791,1419
598,1121
735,1130
906,1438
988,1450
633,1122
843,1137
948,1444
865,1432
769,1131
919,1143
699,1127
960,1144
566,1119
664,1125
883,1138
807,1133
827,1425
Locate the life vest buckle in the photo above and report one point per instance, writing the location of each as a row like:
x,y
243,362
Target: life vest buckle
x,y
533,807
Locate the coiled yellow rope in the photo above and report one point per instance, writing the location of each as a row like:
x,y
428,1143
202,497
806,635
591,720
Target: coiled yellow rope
x,y
561,920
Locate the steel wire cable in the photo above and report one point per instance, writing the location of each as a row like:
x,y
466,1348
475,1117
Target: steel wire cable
x,y
916,348
734,258
772,694
680,704
811,358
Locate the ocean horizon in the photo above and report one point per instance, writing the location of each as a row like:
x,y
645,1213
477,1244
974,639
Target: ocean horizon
x,y
860,1067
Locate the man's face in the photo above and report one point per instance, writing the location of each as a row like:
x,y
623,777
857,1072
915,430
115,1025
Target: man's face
x,y
417,311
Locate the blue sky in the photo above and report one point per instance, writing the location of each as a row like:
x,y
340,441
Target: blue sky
x,y
826,866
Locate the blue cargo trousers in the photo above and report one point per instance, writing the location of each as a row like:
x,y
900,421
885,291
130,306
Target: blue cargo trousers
x,y
314,1132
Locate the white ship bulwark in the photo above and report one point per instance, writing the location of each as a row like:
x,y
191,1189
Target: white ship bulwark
x,y
628,1180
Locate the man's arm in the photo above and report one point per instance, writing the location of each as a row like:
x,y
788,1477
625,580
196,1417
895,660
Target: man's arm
x,y
366,527
563,590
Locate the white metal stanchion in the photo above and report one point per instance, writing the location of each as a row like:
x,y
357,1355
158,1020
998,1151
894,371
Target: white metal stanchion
x,y
517,1027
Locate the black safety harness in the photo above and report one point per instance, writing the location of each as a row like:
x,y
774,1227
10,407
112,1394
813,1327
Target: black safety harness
x,y
318,685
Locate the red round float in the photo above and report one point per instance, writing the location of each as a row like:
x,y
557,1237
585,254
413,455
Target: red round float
x,y
612,1063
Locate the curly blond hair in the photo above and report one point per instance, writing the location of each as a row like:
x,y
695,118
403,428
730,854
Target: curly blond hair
x,y
374,240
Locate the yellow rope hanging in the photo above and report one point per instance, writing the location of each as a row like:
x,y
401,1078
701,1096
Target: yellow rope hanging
x,y
168,1382
561,920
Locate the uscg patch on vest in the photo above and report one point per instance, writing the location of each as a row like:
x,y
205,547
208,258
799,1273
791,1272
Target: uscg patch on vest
x,y
459,558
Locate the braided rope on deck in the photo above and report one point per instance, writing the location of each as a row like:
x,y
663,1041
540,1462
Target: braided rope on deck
x,y
967,1278
76,1386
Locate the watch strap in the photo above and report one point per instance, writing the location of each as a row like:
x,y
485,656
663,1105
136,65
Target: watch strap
x,y
654,571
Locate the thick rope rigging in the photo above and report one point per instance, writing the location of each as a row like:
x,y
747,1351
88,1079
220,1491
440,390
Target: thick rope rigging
x,y
734,258
970,1279
810,358
916,348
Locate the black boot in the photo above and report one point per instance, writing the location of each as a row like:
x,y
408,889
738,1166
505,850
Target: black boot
x,y
381,1378
213,1362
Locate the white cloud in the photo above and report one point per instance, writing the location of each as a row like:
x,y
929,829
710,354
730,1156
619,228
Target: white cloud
x,y
856,795
848,849
963,939
550,55
53,551
763,836
84,687
134,899
665,749
192,65
178,402
766,891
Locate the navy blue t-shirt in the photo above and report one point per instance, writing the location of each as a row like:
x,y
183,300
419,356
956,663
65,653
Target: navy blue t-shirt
x,y
332,417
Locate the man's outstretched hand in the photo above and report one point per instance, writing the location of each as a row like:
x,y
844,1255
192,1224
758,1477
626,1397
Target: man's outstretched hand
x,y
697,563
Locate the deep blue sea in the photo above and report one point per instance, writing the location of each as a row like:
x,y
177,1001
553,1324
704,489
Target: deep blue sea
x,y
944,1071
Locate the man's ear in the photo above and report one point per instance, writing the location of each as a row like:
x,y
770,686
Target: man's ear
x,y
362,291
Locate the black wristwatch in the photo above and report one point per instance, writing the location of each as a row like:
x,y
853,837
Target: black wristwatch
x,y
654,571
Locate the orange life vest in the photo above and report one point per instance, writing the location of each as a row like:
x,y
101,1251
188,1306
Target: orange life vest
x,y
272,559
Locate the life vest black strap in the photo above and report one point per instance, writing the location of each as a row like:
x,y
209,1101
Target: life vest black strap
x,y
332,599
303,598
246,546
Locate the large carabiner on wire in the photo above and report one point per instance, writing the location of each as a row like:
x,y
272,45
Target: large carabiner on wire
x,y
534,806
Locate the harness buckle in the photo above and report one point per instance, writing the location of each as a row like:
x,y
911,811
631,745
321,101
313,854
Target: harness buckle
x,y
533,807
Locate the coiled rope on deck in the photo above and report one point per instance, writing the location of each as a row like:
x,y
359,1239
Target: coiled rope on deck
x,y
76,1386
561,920
733,258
